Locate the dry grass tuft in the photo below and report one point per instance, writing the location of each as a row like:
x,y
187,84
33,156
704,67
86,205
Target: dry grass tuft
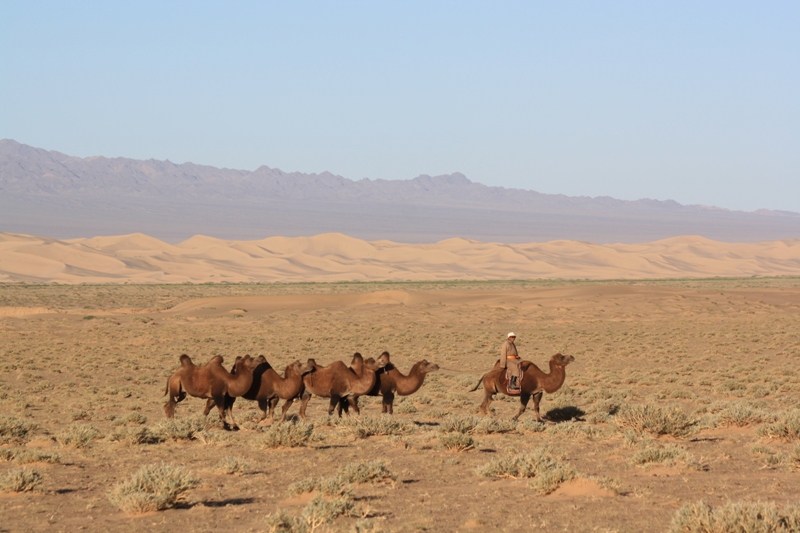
x,y
181,429
367,426
21,480
547,471
233,465
741,517
15,431
655,420
153,488
288,434
77,436
785,427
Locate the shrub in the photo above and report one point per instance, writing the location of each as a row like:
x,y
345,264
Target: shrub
x,y
366,472
25,456
21,480
181,429
547,472
459,423
655,420
77,435
668,454
367,426
318,512
232,465
744,517
786,427
153,488
741,414
494,425
289,434
456,442
14,431
136,435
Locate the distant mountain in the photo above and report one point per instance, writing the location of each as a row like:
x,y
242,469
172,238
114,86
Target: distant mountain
x,y
48,193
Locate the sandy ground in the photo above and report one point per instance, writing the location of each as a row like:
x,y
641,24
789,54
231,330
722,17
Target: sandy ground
x,y
335,257
100,356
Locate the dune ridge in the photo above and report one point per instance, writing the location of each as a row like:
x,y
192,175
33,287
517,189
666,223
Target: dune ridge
x,y
139,258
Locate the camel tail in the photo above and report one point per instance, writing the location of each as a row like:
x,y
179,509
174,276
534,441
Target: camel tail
x,y
479,384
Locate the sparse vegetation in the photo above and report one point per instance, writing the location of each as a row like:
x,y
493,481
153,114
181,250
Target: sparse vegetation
x,y
153,488
655,420
288,434
744,517
77,436
547,471
15,431
20,480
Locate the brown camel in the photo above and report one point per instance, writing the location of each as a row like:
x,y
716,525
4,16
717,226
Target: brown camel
x,y
269,387
534,383
336,381
210,380
391,381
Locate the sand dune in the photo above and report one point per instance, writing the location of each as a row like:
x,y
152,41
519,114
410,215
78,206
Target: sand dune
x,y
138,258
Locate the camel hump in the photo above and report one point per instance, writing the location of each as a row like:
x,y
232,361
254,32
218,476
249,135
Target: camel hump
x,y
186,360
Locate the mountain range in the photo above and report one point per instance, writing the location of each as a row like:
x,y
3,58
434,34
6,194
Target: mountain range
x,y
49,193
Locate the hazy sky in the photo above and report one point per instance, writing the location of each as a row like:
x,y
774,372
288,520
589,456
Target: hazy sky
x,y
693,101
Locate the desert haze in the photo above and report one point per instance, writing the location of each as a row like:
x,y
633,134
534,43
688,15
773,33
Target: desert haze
x,y
331,257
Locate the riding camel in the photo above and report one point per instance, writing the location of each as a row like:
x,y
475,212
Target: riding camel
x,y
269,388
210,380
390,382
534,383
337,381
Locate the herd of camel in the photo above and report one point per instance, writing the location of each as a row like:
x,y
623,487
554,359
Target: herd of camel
x,y
255,379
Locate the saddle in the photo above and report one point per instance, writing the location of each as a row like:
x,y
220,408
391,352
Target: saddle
x,y
512,382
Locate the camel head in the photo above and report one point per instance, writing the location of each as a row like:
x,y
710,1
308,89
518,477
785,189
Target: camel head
x,y
562,360
245,363
301,368
383,360
426,367
374,365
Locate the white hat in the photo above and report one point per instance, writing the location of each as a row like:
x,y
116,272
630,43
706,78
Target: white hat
x,y
512,334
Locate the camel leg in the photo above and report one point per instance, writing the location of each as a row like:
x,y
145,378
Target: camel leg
x,y
263,406
304,403
286,407
210,403
234,425
536,399
219,401
523,400
387,405
169,408
353,402
487,400
333,404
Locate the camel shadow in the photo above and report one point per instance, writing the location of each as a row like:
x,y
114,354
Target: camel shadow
x,y
565,414
227,502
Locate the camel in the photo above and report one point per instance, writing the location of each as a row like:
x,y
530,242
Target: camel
x,y
336,381
534,383
391,381
269,388
209,381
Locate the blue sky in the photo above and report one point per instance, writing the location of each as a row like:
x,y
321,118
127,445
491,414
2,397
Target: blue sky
x,y
687,100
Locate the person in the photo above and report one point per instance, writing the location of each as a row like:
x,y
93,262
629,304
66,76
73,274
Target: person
x,y
509,359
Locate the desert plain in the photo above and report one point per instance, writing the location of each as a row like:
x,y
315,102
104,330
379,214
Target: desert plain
x,y
681,391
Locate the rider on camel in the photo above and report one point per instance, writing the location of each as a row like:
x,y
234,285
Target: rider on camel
x,y
509,359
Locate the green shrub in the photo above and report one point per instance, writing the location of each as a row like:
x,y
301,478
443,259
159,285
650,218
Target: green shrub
x,y
153,488
20,480
77,436
655,420
741,517
547,472
288,434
